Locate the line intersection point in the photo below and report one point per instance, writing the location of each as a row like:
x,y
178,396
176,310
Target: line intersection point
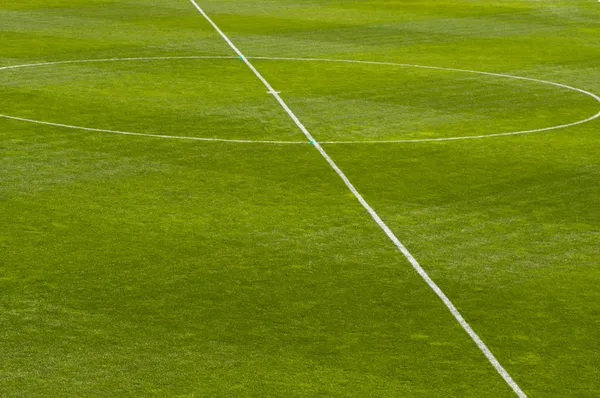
x,y
492,359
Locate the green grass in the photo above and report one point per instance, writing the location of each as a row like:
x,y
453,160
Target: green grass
x,y
139,266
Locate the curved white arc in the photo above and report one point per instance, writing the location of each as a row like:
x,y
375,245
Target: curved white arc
x,y
470,137
175,137
594,96
83,61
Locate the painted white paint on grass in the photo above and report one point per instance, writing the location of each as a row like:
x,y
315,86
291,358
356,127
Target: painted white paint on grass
x,y
482,346
594,96
82,61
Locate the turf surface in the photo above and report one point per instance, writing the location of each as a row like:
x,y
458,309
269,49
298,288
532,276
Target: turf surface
x,y
136,266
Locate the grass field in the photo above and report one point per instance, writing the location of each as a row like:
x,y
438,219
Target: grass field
x,y
155,266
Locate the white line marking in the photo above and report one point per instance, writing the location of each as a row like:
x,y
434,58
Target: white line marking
x,y
116,59
595,97
375,217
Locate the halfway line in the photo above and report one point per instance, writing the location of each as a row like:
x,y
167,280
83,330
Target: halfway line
x,y
486,351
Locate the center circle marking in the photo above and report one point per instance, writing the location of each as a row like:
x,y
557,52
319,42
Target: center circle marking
x,y
564,86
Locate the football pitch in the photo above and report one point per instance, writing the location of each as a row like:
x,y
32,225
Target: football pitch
x,y
300,198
